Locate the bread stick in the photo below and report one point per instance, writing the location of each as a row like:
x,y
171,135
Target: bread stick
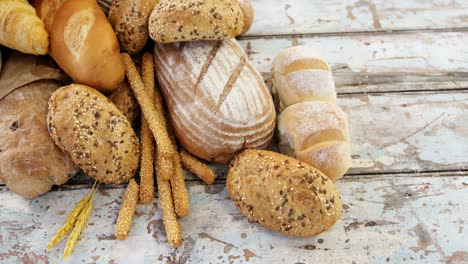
x,y
196,167
127,211
147,144
171,225
179,190
148,108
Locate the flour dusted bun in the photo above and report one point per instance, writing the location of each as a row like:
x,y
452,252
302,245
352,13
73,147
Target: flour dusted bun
x,y
282,193
300,75
30,162
316,133
217,101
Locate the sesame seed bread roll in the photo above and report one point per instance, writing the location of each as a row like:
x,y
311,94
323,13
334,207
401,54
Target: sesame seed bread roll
x,y
249,14
82,42
217,102
125,100
94,132
282,193
129,18
188,20
300,75
312,128
316,133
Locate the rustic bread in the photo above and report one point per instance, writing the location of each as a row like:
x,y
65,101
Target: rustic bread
x,y
188,20
98,137
300,75
218,103
316,133
82,42
129,18
312,127
125,100
282,193
30,162
249,14
21,29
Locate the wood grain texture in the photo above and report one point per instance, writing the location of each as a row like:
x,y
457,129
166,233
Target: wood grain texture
x,y
397,213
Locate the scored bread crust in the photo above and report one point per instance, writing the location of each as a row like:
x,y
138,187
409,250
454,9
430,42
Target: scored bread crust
x,y
189,20
98,137
282,193
30,162
218,103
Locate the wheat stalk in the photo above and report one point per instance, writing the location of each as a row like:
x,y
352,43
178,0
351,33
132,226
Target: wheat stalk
x,y
79,227
71,219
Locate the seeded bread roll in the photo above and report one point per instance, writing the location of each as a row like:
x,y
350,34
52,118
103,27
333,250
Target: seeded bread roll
x,y
30,162
282,193
188,20
125,100
129,18
98,137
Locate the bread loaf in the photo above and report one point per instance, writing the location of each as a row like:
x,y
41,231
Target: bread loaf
x,y
30,162
82,42
188,20
129,18
98,137
249,14
282,193
311,126
126,102
21,29
218,103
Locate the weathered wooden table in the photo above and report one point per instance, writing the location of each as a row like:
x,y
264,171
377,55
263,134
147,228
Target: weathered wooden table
x,y
401,69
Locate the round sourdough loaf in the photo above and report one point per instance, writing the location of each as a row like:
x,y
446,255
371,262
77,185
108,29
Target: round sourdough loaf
x,y
282,193
98,137
30,162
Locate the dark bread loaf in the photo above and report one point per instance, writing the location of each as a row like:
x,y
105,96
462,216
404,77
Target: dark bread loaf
x,y
282,193
98,137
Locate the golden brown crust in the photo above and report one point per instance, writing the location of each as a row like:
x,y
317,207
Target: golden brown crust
x,y
30,162
98,137
125,100
188,20
127,211
249,14
84,45
129,18
282,193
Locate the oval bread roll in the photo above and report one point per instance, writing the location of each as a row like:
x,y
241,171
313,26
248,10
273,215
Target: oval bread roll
x,y
98,137
282,193
249,14
129,18
30,162
188,20
316,133
217,101
300,75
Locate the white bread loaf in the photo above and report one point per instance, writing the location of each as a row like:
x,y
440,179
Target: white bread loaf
x,y
311,126
82,42
218,103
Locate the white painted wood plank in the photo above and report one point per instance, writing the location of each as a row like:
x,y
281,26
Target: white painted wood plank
x,y
384,58
399,219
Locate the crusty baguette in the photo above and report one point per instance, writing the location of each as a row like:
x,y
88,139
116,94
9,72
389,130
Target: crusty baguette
x,y
94,132
282,193
312,127
188,20
129,18
82,42
218,103
21,29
